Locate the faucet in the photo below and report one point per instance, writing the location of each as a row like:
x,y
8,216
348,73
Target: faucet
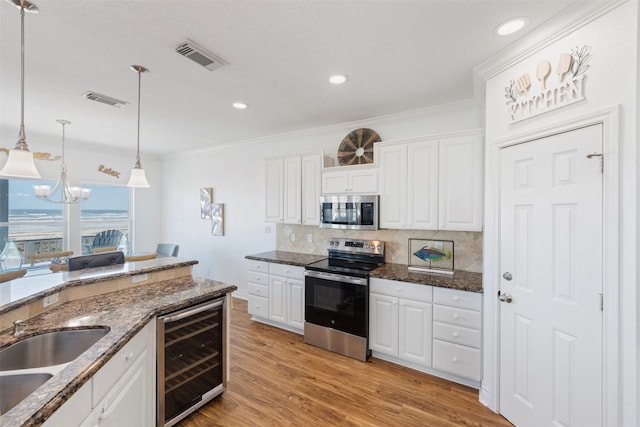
x,y
18,326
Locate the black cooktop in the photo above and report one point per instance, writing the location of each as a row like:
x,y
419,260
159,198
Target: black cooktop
x,y
344,266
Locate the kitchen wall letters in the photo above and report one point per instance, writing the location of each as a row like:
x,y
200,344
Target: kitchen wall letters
x,y
108,171
554,90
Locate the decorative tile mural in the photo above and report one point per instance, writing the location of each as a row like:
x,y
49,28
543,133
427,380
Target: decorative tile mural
x,y
468,245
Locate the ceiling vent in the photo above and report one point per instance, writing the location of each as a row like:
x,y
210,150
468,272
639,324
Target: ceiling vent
x,y
198,54
98,97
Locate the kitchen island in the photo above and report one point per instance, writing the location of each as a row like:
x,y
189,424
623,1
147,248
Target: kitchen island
x,y
121,298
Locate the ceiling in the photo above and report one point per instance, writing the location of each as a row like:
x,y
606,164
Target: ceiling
x,y
399,56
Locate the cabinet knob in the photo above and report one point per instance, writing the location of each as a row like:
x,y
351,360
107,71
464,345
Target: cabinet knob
x,y
455,335
456,298
398,289
455,316
128,357
455,359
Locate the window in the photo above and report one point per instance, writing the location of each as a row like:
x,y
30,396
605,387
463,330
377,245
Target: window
x,y
35,225
106,209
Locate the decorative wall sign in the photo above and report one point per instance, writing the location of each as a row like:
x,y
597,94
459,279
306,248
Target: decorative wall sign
x,y
555,88
431,256
217,219
108,171
206,198
357,147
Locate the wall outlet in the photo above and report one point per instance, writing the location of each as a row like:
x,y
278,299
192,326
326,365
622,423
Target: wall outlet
x,y
50,299
293,237
139,278
309,238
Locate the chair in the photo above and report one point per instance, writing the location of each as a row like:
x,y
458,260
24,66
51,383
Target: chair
x,y
10,275
95,260
167,249
58,267
130,258
103,239
104,249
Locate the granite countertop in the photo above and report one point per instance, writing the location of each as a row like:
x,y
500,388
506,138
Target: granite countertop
x,y
284,257
461,280
124,312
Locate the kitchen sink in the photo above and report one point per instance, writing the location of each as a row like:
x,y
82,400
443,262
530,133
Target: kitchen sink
x,y
14,388
49,349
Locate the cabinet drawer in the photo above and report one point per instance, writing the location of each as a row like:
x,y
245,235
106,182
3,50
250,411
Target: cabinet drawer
x,y
286,270
111,372
457,316
456,359
260,278
410,291
259,266
456,298
457,334
258,306
258,290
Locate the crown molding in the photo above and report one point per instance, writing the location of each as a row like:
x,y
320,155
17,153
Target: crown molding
x,y
572,18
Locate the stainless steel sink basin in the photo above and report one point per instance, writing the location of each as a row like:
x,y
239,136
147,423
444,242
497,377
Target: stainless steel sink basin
x,y
49,349
14,388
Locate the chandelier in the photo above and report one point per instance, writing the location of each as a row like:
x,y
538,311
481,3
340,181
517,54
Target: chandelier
x,y
20,163
138,177
62,192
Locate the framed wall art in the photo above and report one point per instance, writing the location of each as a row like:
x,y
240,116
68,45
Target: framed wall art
x,y
431,256
206,198
217,219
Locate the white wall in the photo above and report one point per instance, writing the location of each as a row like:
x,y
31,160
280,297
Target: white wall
x,y
236,174
611,81
83,161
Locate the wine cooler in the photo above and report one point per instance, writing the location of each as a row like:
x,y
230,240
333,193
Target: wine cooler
x,y
191,367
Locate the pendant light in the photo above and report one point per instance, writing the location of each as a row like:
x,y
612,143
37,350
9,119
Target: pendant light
x,y
20,163
138,178
62,192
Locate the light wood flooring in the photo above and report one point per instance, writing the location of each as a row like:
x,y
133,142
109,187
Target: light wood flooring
x,y
278,380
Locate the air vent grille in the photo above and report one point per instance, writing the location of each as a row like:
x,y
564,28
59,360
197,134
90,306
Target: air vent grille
x,y
98,97
200,55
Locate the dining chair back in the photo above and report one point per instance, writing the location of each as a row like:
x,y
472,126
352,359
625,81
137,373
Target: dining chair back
x,y
167,249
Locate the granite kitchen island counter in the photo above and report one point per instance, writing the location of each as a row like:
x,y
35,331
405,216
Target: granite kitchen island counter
x,y
124,309
284,257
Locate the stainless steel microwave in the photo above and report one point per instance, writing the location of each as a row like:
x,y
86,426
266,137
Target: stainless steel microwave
x,y
351,212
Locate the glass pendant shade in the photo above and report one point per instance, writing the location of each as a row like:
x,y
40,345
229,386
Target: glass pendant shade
x,y
138,178
20,164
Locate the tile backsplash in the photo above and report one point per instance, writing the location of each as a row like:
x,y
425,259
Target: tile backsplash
x,y
468,245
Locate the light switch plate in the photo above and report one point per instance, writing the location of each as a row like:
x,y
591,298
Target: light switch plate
x,y
50,299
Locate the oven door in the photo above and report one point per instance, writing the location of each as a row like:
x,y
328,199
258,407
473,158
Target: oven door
x,y
337,301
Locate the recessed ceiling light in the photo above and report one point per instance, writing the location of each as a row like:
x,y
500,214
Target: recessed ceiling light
x,y
512,25
338,79
239,105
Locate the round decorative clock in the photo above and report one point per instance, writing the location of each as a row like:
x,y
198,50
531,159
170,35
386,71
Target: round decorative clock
x,y
357,147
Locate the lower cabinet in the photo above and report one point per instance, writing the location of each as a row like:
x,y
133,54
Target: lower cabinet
x,y
121,393
276,294
435,330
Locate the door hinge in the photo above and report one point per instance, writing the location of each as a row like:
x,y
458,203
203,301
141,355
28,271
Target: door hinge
x,y
601,302
601,158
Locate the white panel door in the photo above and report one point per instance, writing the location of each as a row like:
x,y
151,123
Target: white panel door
x,y
292,191
551,262
383,324
278,299
295,297
393,186
414,342
422,185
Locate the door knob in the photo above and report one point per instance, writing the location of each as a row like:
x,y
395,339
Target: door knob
x,y
505,297
507,276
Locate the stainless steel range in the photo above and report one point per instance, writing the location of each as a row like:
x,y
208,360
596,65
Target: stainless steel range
x,y
337,296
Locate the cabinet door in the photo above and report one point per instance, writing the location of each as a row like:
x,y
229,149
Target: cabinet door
x,y
292,195
274,181
296,303
415,332
130,402
383,324
277,299
422,185
393,186
334,182
74,410
461,183
364,181
311,189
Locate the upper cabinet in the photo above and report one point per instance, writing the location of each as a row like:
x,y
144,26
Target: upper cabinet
x,y
433,183
350,180
293,186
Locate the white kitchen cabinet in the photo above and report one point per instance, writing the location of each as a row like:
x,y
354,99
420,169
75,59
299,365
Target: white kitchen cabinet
x,y
457,332
461,183
409,185
293,188
74,411
274,188
276,294
400,320
432,183
350,180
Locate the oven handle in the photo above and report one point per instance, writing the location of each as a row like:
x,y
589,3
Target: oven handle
x,y
336,277
196,310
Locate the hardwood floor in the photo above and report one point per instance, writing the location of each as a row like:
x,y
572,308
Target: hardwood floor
x,y
278,380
